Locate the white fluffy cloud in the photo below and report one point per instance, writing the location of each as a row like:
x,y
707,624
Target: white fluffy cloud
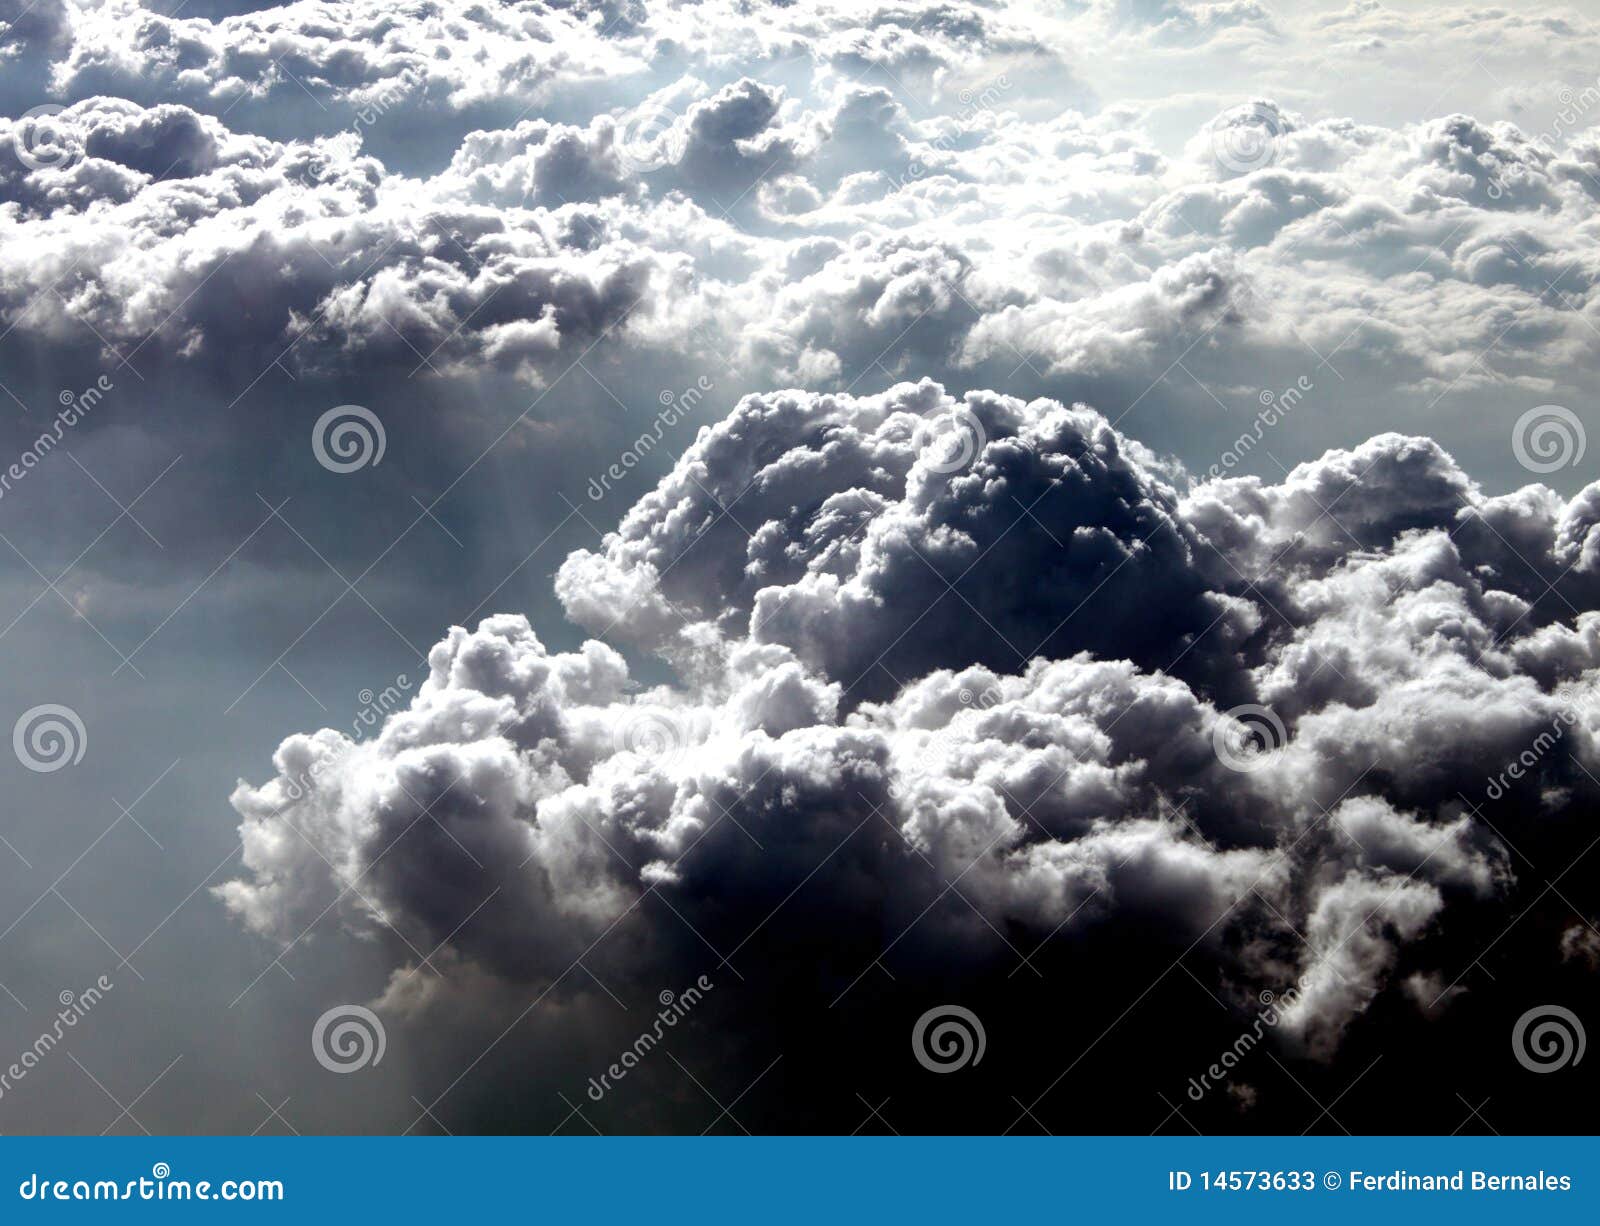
x,y
917,634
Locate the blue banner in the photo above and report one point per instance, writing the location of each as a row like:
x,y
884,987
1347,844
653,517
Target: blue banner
x,y
760,1180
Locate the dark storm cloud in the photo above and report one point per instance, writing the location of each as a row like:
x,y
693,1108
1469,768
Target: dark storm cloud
x,y
916,637
1075,789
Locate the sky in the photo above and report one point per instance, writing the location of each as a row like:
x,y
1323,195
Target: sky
x,y
906,567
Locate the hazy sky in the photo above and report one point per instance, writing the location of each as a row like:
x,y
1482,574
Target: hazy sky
x,y
726,355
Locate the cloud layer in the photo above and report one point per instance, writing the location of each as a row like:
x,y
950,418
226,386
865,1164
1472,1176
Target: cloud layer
x,y
1270,772
1097,541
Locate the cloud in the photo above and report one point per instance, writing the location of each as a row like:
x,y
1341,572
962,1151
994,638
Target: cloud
x,y
1079,788
949,667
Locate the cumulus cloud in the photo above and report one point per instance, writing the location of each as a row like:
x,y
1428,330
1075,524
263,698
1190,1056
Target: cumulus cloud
x,y
1075,786
896,680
